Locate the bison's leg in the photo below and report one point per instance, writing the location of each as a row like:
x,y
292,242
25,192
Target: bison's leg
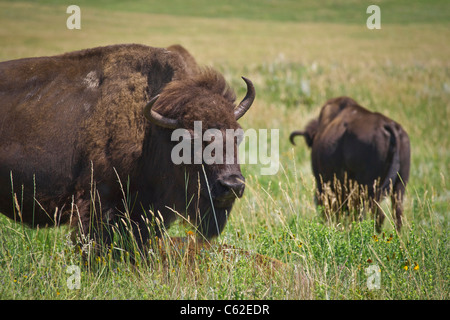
x,y
318,198
142,232
397,199
376,194
379,214
92,223
319,194
402,179
320,202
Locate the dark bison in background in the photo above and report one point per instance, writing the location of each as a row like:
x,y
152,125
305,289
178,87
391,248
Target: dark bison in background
x,y
358,148
73,126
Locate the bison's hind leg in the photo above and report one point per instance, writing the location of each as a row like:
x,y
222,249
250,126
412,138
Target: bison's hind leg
x,y
396,199
379,214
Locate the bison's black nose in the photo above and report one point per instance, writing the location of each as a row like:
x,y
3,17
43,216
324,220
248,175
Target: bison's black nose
x,y
232,186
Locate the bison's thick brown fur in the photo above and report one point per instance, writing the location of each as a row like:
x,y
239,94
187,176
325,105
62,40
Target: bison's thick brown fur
x,y
352,144
73,126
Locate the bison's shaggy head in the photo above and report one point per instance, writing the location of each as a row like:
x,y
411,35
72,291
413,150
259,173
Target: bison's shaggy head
x,y
202,191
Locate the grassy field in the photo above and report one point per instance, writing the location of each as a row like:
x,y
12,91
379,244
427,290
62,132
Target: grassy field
x,y
298,54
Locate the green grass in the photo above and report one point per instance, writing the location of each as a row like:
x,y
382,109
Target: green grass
x,y
298,54
329,11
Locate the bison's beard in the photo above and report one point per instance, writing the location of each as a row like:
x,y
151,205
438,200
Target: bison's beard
x,y
211,219
202,212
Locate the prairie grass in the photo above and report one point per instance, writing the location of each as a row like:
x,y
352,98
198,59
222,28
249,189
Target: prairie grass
x,y
297,57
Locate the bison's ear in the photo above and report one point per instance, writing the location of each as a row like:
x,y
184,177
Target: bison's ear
x,y
155,118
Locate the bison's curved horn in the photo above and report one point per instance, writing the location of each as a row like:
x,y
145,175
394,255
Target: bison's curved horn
x,y
246,103
155,118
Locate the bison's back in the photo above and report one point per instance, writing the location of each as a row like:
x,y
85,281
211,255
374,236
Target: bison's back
x,y
354,145
43,101
62,113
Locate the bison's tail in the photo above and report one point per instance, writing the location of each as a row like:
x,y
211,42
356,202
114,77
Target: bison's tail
x,y
393,158
309,133
294,134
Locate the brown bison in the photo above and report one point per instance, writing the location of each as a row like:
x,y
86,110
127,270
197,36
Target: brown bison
x,y
85,138
358,148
